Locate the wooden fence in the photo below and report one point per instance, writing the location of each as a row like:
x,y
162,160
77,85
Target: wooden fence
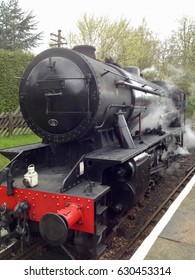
x,y
13,124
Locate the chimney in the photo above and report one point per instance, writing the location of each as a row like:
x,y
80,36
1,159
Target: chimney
x,y
86,50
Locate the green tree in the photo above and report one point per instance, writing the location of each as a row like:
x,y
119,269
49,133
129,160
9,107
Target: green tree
x,y
144,45
125,44
101,33
181,42
177,55
17,27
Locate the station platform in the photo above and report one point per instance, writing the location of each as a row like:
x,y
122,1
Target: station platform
x,y
173,238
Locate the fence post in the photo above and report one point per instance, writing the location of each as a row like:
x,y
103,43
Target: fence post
x,y
10,124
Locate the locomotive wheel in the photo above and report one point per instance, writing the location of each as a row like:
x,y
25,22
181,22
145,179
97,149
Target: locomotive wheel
x,y
86,243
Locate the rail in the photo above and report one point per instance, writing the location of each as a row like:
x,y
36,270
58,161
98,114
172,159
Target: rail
x,y
122,244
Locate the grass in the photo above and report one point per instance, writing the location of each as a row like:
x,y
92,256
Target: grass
x,y
14,141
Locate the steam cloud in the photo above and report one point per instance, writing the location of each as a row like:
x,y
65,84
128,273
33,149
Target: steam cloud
x,y
160,115
189,135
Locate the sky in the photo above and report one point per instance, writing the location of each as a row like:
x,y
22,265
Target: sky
x,y
161,16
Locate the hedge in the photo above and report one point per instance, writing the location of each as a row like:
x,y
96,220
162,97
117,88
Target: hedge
x,y
12,66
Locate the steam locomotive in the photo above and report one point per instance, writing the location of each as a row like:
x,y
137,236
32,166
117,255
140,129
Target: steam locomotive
x,y
106,132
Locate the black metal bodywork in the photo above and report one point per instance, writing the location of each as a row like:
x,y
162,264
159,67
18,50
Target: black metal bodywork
x,y
66,96
90,116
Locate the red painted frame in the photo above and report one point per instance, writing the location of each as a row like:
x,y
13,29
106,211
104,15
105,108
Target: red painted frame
x,y
43,202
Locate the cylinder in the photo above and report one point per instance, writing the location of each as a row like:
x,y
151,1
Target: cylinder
x,y
72,214
54,227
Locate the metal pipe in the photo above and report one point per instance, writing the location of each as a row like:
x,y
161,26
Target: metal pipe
x,y
141,88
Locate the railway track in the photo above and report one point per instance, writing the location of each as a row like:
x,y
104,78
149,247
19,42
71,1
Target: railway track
x,y
15,251
124,243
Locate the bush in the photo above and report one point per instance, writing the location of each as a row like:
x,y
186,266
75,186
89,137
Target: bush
x,y
12,66
190,106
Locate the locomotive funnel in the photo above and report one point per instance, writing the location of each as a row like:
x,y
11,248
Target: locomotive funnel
x,y
86,50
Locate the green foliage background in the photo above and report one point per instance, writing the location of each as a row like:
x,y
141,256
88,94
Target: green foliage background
x,y
191,106
12,66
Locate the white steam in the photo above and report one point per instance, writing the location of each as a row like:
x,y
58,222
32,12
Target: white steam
x,y
181,151
189,135
151,73
188,140
161,115
149,70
